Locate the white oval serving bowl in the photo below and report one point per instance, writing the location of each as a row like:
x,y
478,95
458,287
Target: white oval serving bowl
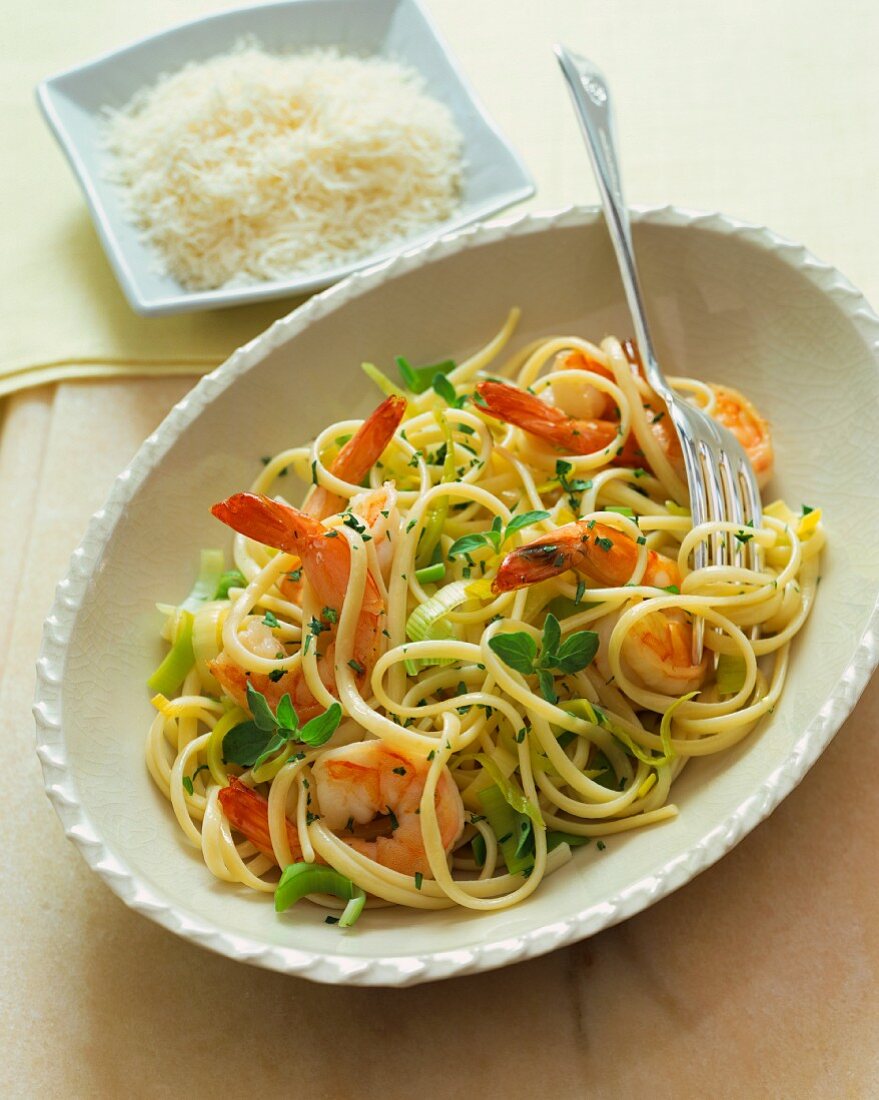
x,y
730,302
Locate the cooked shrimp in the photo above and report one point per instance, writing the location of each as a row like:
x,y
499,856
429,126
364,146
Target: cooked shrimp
x,y
326,562
361,791
378,510
735,412
526,411
352,463
657,650
586,436
358,456
570,434
363,781
731,409
248,812
259,639
602,553
574,397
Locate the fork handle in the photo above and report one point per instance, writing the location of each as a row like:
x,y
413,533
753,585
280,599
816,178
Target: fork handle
x,y
592,104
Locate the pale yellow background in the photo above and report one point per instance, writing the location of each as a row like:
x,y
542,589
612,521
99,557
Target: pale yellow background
x,y
759,979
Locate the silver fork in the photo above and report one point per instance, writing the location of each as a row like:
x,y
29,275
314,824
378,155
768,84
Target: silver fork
x,y
719,475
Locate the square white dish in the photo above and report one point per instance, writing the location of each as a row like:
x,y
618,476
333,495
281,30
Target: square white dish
x,y
494,176
730,302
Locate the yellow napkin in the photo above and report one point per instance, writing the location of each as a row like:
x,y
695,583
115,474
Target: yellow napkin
x,y
62,313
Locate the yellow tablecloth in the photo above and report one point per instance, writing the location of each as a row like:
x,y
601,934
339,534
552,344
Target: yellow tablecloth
x,y
759,979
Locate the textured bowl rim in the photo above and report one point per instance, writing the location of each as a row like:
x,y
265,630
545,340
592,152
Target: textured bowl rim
x,y
406,969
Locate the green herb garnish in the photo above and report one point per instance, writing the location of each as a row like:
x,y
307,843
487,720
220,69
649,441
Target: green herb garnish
x,y
519,651
419,379
496,535
251,743
444,389
570,487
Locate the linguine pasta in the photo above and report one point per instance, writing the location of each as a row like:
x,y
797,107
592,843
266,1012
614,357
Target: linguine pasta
x,y
483,656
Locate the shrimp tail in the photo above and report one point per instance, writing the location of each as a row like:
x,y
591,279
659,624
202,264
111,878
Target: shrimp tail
x,y
248,812
522,409
268,521
365,447
358,455
525,411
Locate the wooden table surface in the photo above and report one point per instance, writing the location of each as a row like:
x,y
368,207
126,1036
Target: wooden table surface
x,y
757,979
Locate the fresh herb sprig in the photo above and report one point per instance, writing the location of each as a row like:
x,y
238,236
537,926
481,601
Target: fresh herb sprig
x,y
519,651
419,379
496,536
251,743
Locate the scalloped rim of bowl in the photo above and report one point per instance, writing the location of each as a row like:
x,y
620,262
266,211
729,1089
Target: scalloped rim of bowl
x,y
403,969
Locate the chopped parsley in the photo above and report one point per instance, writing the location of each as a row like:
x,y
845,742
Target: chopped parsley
x,y
350,520
570,487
